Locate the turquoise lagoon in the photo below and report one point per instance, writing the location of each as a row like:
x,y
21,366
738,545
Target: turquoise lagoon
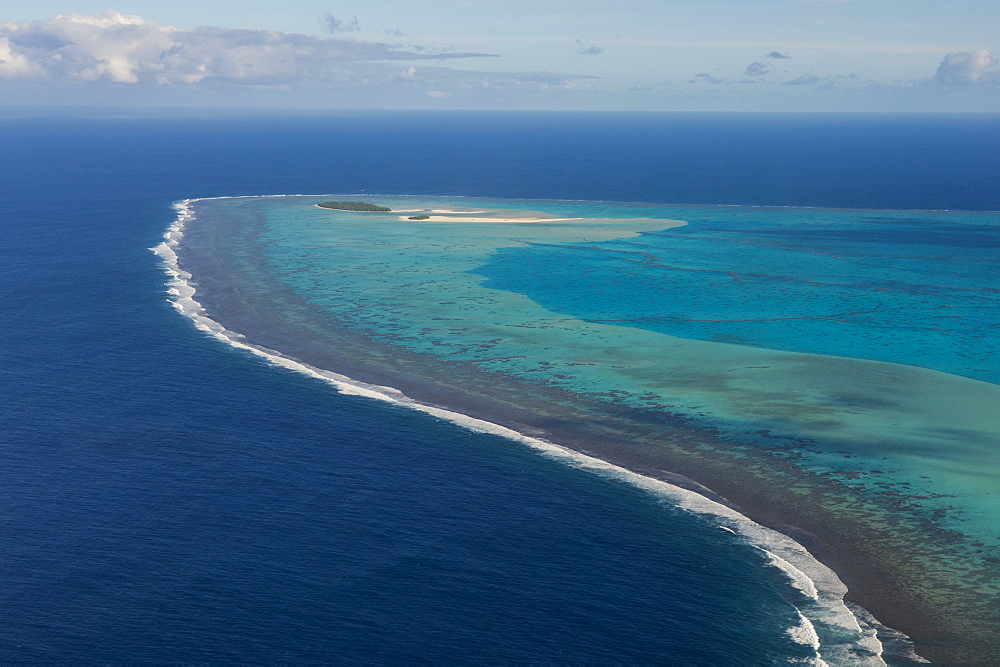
x,y
830,373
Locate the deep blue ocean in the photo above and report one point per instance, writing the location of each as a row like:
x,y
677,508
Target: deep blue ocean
x,y
166,498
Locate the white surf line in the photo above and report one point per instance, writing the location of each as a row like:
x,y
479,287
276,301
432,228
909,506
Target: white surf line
x,y
799,580
821,585
805,633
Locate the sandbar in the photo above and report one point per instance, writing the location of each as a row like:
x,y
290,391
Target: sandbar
x,y
442,218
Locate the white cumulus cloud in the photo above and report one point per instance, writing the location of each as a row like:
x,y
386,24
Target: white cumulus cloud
x,y
125,49
16,65
968,68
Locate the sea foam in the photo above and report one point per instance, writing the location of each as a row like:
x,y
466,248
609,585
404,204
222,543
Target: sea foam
x,y
819,590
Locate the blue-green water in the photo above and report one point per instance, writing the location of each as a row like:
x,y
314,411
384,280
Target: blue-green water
x,y
914,288
837,359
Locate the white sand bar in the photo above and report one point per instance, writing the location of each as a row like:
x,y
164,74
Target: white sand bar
x,y
456,218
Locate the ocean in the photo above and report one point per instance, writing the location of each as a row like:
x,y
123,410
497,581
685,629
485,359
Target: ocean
x,y
169,497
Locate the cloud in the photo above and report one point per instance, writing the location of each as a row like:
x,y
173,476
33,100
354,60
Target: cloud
x,y
583,49
332,24
704,77
778,55
14,65
758,68
804,80
968,68
124,49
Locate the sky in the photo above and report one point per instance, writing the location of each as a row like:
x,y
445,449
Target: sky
x,y
663,55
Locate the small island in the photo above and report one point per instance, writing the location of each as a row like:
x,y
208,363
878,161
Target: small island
x,y
419,217
354,206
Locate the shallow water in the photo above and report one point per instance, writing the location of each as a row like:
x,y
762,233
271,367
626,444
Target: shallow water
x,y
892,465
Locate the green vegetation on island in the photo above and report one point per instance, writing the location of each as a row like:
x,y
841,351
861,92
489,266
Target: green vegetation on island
x,y
419,217
354,206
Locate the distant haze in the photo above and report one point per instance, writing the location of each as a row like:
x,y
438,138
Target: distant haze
x,y
712,55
